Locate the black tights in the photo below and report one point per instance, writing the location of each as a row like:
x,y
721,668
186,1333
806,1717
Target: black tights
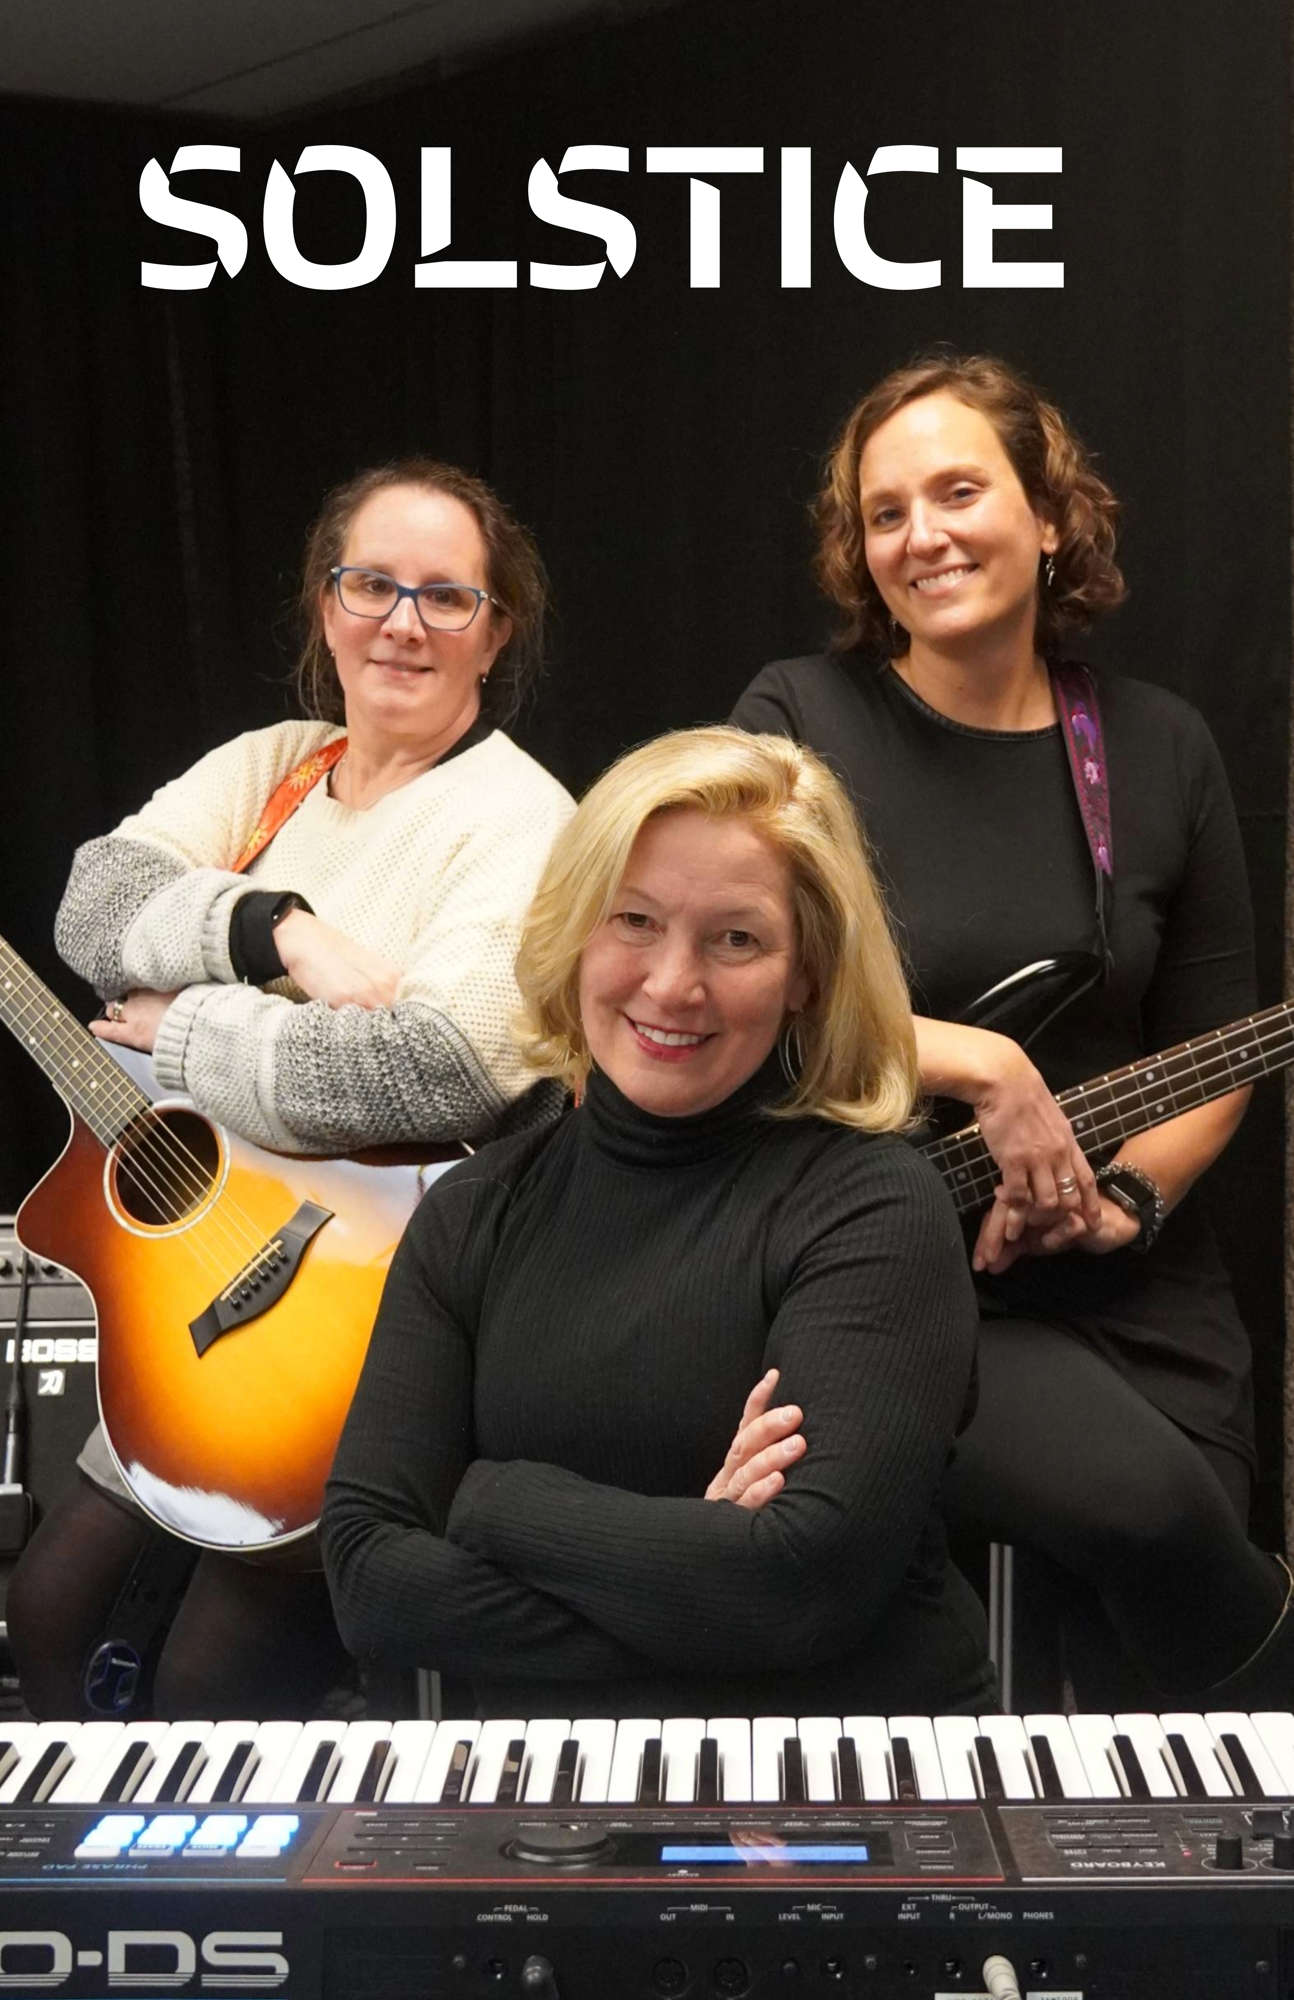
x,y
247,1640
1065,1458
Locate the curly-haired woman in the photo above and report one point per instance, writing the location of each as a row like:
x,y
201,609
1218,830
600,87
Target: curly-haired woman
x,y
962,530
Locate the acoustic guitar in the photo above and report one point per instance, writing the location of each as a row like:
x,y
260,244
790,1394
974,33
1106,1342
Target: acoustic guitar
x,y
235,1289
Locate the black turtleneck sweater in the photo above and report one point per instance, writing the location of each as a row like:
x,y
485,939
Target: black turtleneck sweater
x,y
569,1331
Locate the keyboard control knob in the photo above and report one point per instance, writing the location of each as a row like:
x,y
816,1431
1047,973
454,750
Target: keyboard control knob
x,y
559,1844
1229,1852
1283,1850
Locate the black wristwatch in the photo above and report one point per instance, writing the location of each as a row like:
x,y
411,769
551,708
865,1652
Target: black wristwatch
x,y
1137,1194
253,951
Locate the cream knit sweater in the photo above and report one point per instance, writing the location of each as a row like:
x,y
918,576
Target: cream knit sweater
x,y
436,876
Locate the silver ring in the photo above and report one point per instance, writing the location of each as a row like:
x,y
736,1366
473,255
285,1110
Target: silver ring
x,y
115,1010
1068,1185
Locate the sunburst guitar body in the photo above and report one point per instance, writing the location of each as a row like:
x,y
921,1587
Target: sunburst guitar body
x,y
235,1289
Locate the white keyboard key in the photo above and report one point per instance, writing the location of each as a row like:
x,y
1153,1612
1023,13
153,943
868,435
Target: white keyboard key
x,y
49,1754
596,1736
1198,1738
359,1743
633,1733
732,1735
1093,1738
1276,1729
1226,1722
412,1741
136,1755
14,1739
819,1735
445,1765
680,1746
1147,1739
1011,1747
228,1740
768,1734
955,1740
872,1741
170,1760
284,1758
918,1732
491,1755
83,1780
1073,1773
544,1739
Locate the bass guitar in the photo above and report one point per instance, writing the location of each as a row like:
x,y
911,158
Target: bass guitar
x,y
1109,1109
234,1289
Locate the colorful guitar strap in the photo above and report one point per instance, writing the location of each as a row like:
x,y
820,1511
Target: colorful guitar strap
x,y
285,799
1080,723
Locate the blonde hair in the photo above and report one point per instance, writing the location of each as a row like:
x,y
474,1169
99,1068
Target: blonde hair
x,y
859,1056
1049,460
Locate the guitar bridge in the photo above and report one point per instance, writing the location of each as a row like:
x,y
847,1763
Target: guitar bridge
x,y
262,1280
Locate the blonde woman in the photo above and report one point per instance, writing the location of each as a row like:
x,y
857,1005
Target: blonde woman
x,y
523,1492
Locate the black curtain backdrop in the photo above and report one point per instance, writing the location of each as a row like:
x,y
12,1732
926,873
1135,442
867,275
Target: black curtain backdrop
x,y
164,451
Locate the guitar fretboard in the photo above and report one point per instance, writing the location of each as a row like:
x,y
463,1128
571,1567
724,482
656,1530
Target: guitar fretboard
x,y
95,1088
1111,1108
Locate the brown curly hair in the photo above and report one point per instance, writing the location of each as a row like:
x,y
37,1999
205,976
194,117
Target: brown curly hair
x,y
514,574
1050,462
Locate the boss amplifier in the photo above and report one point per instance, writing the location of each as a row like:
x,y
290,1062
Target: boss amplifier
x,y
55,1354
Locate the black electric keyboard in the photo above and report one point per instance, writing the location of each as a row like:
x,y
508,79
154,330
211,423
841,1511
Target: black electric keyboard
x,y
856,1857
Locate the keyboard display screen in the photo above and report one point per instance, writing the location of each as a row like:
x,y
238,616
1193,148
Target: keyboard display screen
x,y
770,1853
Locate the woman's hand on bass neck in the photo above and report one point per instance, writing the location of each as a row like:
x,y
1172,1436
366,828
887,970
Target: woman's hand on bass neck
x,y
765,1444
1046,1180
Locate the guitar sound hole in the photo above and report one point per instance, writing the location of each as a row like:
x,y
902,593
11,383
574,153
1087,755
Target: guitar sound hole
x,y
165,1167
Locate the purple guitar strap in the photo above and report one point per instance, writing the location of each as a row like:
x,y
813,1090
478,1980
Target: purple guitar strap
x,y
1080,724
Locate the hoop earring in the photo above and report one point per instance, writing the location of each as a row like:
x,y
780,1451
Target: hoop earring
x,y
790,1050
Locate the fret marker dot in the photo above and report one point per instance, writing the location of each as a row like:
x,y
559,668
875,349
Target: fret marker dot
x,y
1150,1076
961,1173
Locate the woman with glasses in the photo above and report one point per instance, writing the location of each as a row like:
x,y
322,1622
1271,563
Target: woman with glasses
x,y
312,932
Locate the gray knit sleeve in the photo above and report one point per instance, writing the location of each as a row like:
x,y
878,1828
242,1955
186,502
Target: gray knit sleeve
x,y
134,915
311,1078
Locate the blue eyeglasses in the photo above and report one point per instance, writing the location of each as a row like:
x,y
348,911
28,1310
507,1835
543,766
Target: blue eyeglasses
x,y
442,607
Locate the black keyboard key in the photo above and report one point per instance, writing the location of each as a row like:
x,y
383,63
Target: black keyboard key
x,y
989,1769
373,1778
709,1782
851,1777
1246,1776
905,1775
649,1778
510,1774
237,1771
793,1789
1048,1776
126,1776
1125,1751
315,1782
568,1758
451,1792
44,1774
184,1769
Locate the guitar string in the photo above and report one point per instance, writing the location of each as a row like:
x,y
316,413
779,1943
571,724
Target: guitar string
x,y
1176,1065
154,1144
975,1184
976,1177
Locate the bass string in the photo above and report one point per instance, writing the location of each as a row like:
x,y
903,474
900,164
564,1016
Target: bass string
x,y
982,1176
1177,1066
